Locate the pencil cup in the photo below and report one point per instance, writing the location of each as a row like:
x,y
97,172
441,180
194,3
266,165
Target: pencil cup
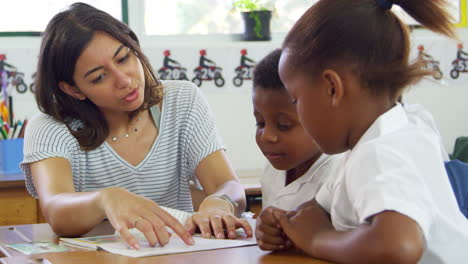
x,y
11,154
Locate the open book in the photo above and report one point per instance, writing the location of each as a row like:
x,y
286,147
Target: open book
x,y
92,243
113,243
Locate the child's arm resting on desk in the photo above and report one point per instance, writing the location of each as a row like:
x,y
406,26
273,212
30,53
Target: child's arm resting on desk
x,y
389,237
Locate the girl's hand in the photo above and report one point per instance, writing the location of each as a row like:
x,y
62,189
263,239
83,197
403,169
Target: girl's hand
x,y
268,231
303,225
126,210
215,219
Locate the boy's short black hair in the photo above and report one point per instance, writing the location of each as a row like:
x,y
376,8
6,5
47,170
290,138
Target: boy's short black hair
x,y
266,74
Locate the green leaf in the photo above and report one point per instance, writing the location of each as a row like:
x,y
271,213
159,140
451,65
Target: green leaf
x,y
248,5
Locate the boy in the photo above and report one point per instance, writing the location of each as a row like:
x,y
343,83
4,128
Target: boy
x,y
297,167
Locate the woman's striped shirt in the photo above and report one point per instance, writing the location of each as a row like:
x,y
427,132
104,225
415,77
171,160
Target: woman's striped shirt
x,y
187,134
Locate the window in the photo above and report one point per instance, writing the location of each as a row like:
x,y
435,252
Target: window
x,y
180,17
14,19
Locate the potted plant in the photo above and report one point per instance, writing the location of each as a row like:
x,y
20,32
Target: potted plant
x,y
256,18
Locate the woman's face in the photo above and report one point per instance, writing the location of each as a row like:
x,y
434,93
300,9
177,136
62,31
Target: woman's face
x,y
110,75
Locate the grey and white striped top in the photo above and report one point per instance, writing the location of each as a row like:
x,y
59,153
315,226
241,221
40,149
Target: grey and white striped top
x,y
187,135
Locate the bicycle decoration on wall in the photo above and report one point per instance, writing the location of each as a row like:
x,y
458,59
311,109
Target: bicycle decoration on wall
x,y
459,64
207,71
10,76
245,70
172,69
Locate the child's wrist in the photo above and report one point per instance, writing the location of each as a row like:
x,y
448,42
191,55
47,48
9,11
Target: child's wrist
x,y
314,247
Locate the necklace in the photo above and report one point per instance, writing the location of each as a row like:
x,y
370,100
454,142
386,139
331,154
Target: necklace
x,y
126,135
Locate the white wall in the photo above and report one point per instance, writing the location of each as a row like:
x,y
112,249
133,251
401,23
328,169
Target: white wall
x,y
232,107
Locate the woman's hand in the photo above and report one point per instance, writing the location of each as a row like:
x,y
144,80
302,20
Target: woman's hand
x,y
126,210
216,219
268,231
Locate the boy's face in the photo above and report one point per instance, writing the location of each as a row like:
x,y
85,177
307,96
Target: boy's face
x,y
280,136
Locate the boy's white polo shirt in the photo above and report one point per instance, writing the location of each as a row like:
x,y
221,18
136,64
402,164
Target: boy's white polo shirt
x,y
398,166
303,189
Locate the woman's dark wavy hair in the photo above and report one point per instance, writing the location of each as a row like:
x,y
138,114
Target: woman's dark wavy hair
x,y
66,36
365,38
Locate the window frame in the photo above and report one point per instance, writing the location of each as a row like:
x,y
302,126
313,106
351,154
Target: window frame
x,y
39,33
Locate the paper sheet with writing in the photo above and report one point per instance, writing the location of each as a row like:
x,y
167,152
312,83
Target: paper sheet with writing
x,y
176,245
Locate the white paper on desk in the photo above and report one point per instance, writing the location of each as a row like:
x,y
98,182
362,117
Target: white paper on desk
x,y
180,215
175,245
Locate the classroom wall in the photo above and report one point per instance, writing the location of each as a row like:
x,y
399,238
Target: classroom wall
x,y
445,99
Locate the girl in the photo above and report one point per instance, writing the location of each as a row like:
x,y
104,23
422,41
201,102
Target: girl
x,y
344,64
115,142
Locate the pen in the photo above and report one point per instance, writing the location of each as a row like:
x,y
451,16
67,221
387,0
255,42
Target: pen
x,y
18,127
18,233
6,127
10,106
2,130
13,130
21,133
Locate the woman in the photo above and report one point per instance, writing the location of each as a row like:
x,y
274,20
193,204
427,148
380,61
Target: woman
x,y
114,142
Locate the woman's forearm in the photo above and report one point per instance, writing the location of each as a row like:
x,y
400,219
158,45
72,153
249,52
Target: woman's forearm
x,y
73,214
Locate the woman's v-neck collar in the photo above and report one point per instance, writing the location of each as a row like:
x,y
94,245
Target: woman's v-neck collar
x,y
158,118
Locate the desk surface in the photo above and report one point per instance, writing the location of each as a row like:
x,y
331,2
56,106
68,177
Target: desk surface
x,y
43,232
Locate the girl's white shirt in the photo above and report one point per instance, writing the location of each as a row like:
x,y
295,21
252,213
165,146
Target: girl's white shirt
x,y
398,166
421,117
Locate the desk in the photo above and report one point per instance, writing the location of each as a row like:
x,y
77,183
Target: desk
x,y
17,206
43,232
